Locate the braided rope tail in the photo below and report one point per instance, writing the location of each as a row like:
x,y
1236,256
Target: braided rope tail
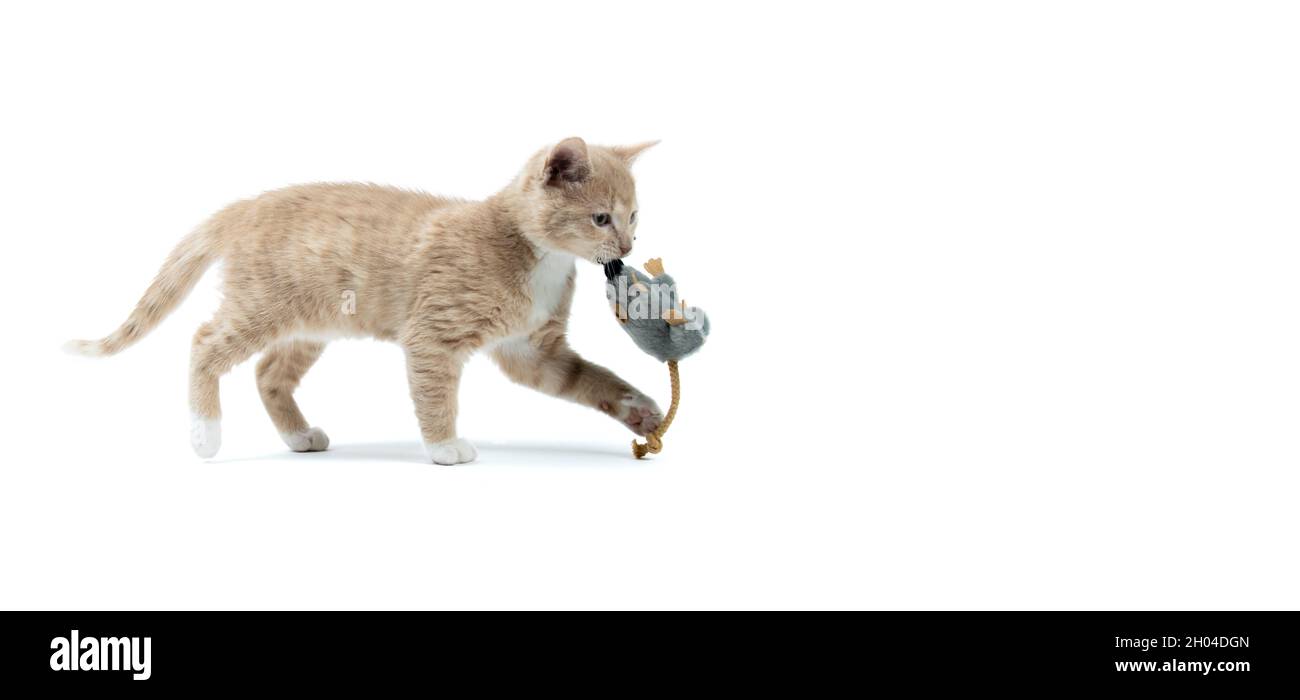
x,y
654,441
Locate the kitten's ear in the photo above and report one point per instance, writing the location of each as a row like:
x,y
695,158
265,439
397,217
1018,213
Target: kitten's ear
x,y
629,153
567,162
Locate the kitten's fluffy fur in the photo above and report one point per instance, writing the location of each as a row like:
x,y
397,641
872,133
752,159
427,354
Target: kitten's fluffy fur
x,y
442,278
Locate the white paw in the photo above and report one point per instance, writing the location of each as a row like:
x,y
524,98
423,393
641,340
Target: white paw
x,y
309,440
453,451
639,413
205,436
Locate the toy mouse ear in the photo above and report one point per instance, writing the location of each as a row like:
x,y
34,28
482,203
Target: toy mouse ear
x,y
567,162
629,153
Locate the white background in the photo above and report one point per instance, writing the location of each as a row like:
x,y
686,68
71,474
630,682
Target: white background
x,y
1004,301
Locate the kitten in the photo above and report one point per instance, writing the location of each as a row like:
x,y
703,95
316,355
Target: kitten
x,y
443,278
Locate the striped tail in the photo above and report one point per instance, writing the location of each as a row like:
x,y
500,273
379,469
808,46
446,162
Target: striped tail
x,y
186,264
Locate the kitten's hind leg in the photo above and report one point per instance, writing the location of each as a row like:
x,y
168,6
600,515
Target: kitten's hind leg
x,y
278,373
219,345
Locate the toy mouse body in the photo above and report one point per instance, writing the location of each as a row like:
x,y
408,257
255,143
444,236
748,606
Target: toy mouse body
x,y
647,307
649,310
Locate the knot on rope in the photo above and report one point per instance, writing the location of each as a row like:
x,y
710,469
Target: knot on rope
x,y
654,441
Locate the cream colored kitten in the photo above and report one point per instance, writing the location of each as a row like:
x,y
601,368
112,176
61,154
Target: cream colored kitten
x,y
442,278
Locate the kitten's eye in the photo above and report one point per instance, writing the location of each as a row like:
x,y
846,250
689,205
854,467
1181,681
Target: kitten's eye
x,y
632,219
600,219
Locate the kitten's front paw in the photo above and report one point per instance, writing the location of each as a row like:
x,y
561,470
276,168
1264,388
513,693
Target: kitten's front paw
x,y
453,451
639,413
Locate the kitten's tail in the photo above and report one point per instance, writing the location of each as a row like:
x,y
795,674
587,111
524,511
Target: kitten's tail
x,y
182,270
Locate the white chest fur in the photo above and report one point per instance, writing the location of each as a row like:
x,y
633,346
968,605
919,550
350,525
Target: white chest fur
x,y
547,284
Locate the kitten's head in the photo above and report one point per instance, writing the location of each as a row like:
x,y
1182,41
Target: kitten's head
x,y
580,199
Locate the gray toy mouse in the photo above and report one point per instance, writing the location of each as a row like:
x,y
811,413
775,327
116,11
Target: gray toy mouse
x,y
659,322
648,308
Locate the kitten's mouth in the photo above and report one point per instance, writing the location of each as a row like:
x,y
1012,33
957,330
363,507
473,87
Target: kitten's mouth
x,y
608,252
